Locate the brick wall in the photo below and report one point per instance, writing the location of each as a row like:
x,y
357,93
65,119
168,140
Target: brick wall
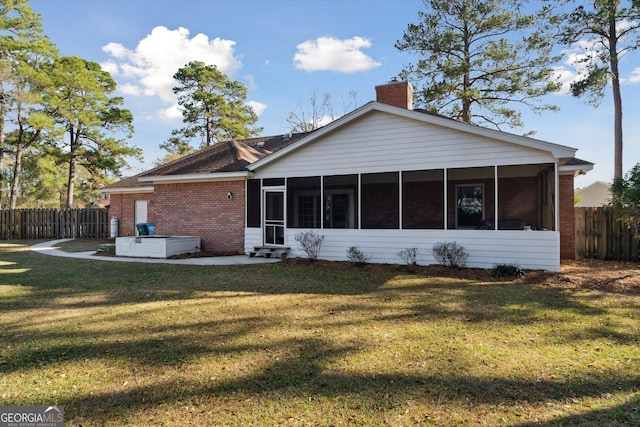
x,y
567,218
518,199
203,209
122,206
422,205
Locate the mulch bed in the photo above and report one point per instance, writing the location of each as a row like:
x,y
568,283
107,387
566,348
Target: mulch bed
x,y
606,276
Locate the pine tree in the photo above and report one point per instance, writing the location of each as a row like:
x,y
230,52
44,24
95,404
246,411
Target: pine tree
x,y
476,59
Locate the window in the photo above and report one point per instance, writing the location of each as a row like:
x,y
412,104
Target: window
x,y
303,202
469,205
340,201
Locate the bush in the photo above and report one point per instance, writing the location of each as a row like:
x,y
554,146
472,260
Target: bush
x,y
507,270
450,254
356,256
409,255
310,243
625,199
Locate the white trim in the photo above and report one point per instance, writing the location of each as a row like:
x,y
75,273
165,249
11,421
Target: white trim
x,y
496,221
127,190
201,177
445,176
575,170
400,199
556,198
275,189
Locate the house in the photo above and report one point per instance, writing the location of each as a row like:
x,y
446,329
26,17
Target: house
x,y
594,195
383,178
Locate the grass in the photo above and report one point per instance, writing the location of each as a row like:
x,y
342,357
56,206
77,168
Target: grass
x,y
134,344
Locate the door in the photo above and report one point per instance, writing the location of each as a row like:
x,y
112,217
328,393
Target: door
x,y
140,214
274,217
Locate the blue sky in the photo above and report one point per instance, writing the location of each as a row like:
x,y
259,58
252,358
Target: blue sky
x,y
285,50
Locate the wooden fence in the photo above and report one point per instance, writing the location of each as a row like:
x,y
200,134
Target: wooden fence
x,y
599,235
54,223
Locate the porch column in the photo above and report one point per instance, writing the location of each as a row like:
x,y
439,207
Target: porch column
x,y
322,202
446,199
495,197
556,201
400,222
359,213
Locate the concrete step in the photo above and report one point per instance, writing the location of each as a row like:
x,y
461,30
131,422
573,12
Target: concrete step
x,y
269,252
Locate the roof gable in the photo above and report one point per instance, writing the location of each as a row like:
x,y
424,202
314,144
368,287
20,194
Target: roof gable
x,y
561,152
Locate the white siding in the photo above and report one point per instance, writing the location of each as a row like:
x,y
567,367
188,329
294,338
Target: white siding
x,y
538,250
381,142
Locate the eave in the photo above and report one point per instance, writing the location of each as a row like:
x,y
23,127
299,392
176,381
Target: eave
x,y
191,178
128,190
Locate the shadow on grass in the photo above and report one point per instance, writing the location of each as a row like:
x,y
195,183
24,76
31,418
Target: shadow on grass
x,y
626,414
138,347
306,373
305,369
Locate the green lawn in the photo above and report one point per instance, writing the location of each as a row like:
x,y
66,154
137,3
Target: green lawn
x,y
138,344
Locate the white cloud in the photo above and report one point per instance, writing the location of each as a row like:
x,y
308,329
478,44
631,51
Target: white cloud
x,y
110,67
634,77
331,54
251,81
258,107
577,59
129,89
575,64
149,68
171,113
565,77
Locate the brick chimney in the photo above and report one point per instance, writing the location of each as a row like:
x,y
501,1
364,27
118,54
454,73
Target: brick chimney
x,y
399,94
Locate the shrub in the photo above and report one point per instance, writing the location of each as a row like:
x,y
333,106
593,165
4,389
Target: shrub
x,y
356,256
310,243
409,255
450,254
507,270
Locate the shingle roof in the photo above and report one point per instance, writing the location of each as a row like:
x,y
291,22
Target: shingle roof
x,y
129,182
228,156
578,162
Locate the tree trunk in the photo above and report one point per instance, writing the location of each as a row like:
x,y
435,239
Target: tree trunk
x,y
617,96
71,182
466,99
3,112
73,147
15,181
